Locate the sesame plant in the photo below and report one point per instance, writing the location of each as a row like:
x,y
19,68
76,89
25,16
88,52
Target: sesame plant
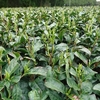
x,y
50,53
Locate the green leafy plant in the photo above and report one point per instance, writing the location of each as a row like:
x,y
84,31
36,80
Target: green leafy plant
x,y
49,54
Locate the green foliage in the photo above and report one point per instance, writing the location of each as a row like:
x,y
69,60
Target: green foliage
x,y
50,53
38,3
80,2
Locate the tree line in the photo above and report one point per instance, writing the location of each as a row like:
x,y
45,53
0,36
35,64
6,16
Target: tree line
x,y
39,3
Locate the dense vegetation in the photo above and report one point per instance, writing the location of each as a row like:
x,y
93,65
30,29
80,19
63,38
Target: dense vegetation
x,y
50,53
37,3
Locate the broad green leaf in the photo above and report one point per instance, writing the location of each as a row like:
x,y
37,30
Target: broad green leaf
x,y
98,77
97,87
34,95
44,95
54,95
62,47
16,92
22,39
86,87
7,84
55,84
61,34
98,49
96,59
39,71
37,46
88,73
84,49
41,57
15,79
88,97
24,86
46,32
13,66
1,85
71,56
12,43
72,84
85,97
23,50
73,72
14,54
67,37
37,84
80,56
93,97
50,72
52,25
62,76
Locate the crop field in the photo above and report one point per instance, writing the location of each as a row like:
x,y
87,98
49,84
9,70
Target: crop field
x,y
50,53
